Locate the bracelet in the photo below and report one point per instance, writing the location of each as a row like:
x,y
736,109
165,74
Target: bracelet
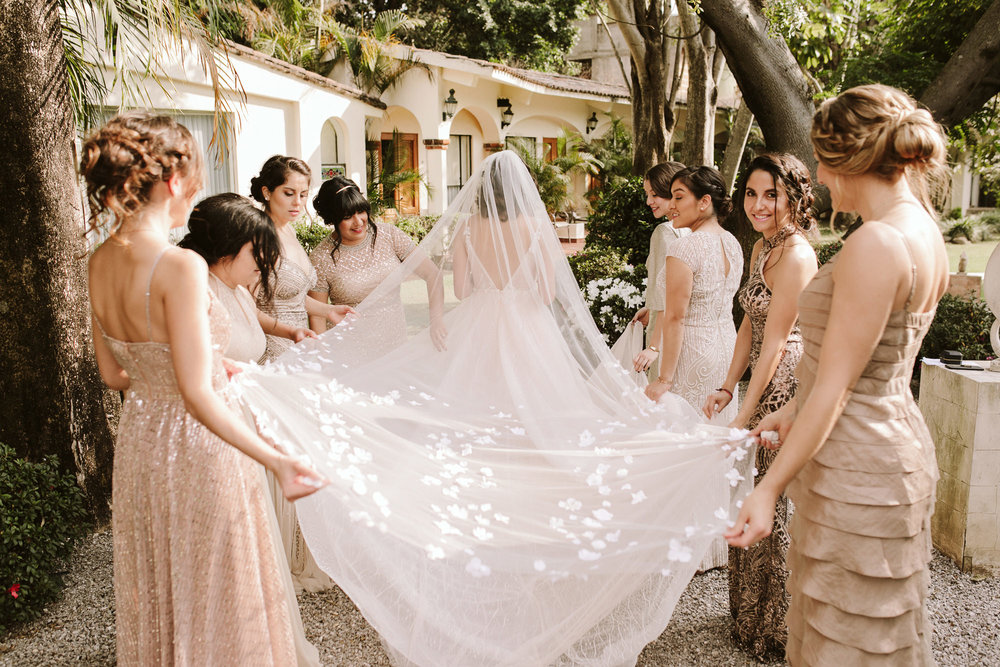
x,y
727,391
653,348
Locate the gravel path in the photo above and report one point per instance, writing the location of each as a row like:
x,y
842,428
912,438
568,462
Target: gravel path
x,y
79,629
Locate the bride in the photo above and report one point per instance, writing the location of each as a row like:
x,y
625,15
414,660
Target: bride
x,y
512,498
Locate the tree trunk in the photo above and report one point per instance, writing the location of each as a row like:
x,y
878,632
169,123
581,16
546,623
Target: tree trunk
x,y
644,29
54,402
738,133
698,127
773,86
971,76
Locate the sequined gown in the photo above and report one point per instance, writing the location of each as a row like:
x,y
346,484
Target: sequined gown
x,y
195,574
359,269
709,332
290,284
757,597
861,537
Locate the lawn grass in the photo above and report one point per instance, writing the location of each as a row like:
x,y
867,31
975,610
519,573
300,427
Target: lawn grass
x,y
978,254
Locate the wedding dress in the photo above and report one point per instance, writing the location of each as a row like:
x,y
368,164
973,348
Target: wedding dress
x,y
514,498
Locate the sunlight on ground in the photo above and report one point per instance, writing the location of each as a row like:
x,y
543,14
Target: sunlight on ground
x,y
978,254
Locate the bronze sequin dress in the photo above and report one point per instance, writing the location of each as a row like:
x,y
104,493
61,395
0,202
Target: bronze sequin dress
x,y
757,597
195,572
861,536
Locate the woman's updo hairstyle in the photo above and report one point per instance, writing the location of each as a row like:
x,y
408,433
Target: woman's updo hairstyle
x,y
660,176
219,227
703,181
790,172
876,129
275,173
338,199
123,160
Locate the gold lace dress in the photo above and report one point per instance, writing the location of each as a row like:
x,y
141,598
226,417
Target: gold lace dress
x,y
860,537
195,573
757,597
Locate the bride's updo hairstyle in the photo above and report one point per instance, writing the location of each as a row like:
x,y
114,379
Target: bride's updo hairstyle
x,y
491,193
219,227
122,161
703,181
879,130
337,200
788,171
274,174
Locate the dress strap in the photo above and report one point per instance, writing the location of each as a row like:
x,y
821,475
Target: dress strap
x,y
149,286
913,271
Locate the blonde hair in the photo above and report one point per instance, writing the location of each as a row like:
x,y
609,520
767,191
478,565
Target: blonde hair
x,y
123,160
876,129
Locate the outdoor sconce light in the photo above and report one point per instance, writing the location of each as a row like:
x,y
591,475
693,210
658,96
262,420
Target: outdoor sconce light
x,y
449,105
507,114
592,123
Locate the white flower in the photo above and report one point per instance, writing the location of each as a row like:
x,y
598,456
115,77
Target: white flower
x,y
434,552
734,477
570,504
602,515
638,497
477,568
679,552
721,513
585,554
539,566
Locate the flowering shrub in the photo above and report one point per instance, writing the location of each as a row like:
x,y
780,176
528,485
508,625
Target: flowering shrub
x,y
826,251
41,516
613,300
310,234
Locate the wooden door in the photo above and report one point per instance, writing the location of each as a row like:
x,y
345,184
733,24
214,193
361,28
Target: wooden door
x,y
405,196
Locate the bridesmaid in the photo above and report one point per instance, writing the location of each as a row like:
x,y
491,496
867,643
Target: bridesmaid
x,y
859,465
657,187
358,255
195,573
241,247
282,187
775,195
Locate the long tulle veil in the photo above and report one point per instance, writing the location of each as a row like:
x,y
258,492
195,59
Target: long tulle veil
x,y
512,498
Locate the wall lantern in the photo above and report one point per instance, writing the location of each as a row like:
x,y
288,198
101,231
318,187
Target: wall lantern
x,y
507,114
450,103
592,123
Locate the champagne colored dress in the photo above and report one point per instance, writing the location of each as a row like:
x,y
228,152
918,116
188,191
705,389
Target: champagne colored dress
x,y
861,537
757,597
195,574
663,236
359,269
290,282
709,332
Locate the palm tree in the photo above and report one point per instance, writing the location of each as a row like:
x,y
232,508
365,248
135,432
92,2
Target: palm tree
x,y
367,52
54,401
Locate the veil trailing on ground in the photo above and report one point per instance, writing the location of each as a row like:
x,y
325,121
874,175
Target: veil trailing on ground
x,y
502,493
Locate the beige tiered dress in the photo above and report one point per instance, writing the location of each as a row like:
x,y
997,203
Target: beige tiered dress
x,y
860,537
195,574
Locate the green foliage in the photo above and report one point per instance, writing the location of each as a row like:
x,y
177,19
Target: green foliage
x,y
826,251
608,158
365,48
385,174
534,34
613,299
551,181
953,214
310,234
42,516
961,228
622,221
960,324
417,226
596,262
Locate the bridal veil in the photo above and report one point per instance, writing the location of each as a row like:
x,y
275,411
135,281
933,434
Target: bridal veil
x,y
509,497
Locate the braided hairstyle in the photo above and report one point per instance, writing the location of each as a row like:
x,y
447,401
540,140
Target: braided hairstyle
x,y
337,200
124,159
876,129
703,181
221,225
788,171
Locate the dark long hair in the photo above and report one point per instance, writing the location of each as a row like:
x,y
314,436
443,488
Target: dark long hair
x,y
275,173
221,225
338,199
660,176
793,176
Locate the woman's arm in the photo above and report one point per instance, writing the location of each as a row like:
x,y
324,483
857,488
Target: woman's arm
x,y
111,371
434,279
185,306
789,277
460,265
271,325
681,280
867,277
316,322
